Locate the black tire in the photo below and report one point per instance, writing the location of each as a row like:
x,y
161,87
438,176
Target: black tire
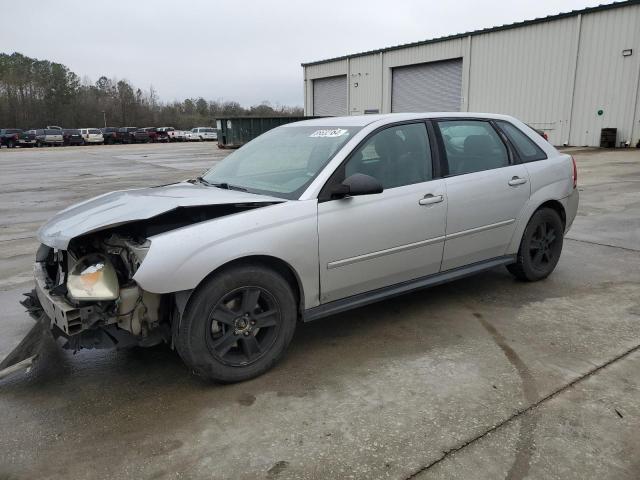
x,y
11,144
219,336
540,247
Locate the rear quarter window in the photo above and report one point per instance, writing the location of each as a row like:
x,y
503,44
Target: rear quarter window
x,y
526,148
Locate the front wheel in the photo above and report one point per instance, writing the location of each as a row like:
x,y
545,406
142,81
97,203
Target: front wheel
x,y
540,246
237,324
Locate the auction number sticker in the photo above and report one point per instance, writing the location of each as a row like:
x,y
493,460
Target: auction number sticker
x,y
333,132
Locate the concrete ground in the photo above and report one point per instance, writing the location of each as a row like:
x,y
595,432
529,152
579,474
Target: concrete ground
x,y
483,378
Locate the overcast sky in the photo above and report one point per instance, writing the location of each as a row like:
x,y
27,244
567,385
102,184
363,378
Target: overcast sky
x,y
241,50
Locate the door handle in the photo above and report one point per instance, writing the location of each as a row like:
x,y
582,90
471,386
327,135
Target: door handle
x,y
430,199
517,181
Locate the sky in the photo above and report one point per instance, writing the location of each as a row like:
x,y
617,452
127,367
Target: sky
x,y
243,50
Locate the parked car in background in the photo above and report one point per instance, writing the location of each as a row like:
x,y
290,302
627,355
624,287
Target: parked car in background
x,y
48,137
173,134
126,135
426,198
157,134
91,135
15,137
71,136
205,133
141,136
110,135
189,136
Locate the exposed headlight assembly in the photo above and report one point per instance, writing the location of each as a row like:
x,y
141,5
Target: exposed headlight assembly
x,y
93,278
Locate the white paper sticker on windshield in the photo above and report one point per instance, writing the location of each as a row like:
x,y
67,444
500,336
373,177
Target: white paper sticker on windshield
x,y
332,132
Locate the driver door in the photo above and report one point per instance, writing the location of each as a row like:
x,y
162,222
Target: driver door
x,y
373,241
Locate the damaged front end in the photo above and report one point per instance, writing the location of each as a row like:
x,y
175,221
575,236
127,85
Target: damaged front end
x,y
88,293
90,252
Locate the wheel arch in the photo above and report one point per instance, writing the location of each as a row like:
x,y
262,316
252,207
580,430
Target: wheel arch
x,y
530,210
554,205
274,263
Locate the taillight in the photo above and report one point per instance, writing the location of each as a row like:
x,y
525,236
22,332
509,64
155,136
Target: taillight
x,y
575,172
546,137
15,137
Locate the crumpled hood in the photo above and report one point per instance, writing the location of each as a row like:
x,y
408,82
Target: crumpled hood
x,y
116,208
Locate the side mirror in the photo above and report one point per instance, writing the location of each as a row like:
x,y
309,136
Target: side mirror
x,y
356,184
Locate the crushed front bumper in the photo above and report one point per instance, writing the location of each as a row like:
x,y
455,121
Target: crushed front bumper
x,y
62,314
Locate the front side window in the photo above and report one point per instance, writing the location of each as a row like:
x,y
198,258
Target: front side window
x,y
397,156
281,162
472,146
526,148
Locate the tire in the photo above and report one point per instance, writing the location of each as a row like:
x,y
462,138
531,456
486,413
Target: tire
x,y
540,247
11,144
218,338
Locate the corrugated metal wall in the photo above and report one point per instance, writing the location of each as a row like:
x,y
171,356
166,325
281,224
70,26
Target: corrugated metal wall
x,y
606,80
528,73
555,75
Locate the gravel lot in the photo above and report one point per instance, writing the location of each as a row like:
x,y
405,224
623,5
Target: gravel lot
x,y
483,378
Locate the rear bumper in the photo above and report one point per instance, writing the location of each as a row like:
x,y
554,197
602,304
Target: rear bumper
x,y
571,208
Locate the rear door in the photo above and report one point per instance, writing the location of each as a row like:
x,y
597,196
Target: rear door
x,y
486,191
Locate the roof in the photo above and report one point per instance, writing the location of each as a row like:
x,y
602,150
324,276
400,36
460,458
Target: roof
x,y
364,120
509,26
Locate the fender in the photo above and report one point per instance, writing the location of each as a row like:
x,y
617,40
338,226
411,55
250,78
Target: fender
x,y
180,259
551,180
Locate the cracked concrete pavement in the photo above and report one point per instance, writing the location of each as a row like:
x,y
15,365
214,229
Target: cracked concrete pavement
x,y
482,378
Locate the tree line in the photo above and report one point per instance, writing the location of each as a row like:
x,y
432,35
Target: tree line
x,y
35,93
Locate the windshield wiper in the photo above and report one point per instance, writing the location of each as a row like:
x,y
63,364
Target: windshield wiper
x,y
223,185
228,186
204,182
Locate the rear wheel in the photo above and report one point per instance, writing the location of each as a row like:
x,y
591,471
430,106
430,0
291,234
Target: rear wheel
x,y
237,324
540,247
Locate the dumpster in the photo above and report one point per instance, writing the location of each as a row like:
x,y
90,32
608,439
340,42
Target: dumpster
x,y
233,132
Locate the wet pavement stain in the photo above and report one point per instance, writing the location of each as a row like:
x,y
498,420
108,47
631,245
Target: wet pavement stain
x,y
277,469
525,445
246,399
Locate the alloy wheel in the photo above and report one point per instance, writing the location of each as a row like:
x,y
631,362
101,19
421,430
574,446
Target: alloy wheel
x,y
243,326
542,247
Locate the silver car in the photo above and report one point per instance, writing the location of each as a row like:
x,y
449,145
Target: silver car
x,y
308,220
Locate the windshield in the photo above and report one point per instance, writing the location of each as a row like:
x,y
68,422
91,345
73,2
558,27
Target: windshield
x,y
281,162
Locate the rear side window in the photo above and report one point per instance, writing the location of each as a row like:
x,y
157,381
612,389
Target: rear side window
x,y
472,146
526,148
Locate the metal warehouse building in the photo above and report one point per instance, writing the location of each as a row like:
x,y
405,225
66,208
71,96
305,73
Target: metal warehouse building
x,y
570,74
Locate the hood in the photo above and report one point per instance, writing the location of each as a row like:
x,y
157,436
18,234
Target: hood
x,y
117,208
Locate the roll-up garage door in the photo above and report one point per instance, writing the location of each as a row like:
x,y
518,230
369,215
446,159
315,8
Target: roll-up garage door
x,y
330,96
427,87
